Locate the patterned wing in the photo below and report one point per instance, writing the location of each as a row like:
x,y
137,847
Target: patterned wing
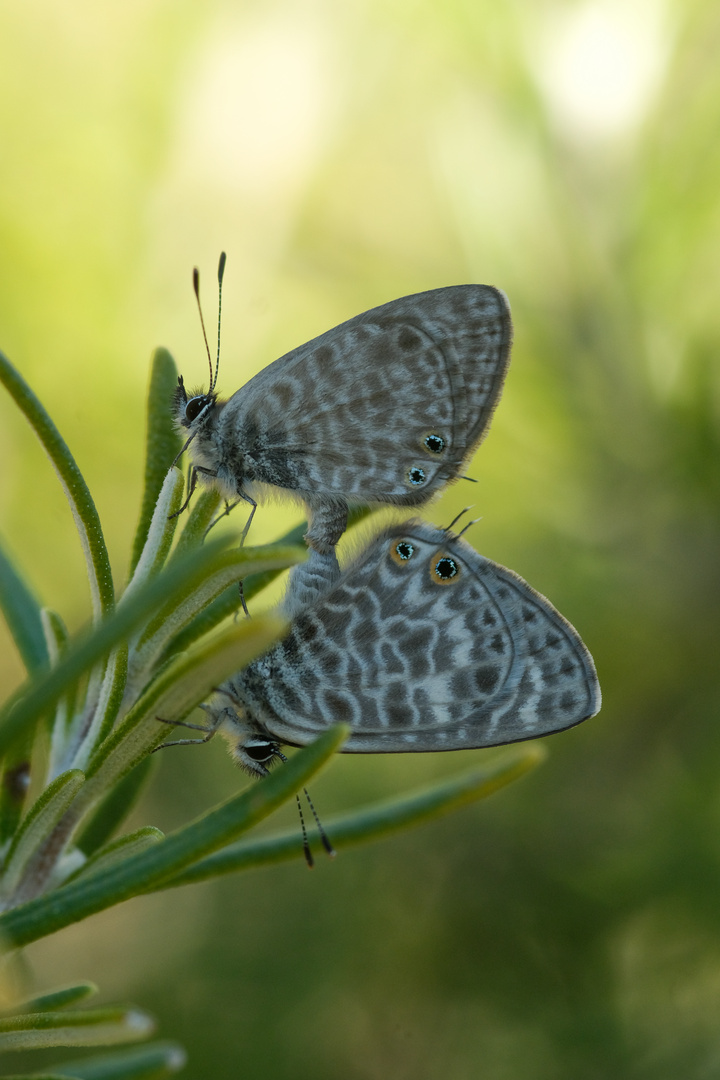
x,y
384,408
425,645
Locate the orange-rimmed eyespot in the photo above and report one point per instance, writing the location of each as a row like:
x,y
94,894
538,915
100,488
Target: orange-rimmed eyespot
x,y
444,569
401,552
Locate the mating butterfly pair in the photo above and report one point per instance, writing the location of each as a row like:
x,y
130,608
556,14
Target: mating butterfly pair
x,y
422,644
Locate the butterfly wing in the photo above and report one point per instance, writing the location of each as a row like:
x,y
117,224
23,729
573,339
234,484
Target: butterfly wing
x,y
386,407
424,645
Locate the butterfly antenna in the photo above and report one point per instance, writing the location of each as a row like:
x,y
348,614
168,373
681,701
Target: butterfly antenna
x,y
306,847
221,275
196,287
323,835
469,524
457,518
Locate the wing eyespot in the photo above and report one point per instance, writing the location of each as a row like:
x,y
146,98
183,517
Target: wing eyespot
x,y
416,476
434,443
444,570
401,552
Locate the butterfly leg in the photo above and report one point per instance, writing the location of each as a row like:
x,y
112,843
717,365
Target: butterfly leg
x,y
244,497
208,733
328,521
192,484
229,506
310,580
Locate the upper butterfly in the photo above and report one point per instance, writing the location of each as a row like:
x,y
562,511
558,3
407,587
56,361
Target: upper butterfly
x,y
422,644
385,408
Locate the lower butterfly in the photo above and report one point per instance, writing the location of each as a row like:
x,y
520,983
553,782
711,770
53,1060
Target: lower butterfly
x,y
421,644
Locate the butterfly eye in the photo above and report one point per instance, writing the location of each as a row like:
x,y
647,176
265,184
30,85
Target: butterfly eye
x,y
416,476
444,570
434,443
260,751
195,406
402,552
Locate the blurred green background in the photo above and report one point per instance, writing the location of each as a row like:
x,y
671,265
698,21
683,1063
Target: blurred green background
x,y
344,154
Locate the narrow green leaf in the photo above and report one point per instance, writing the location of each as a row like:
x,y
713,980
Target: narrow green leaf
x,y
182,685
151,1062
14,786
74,486
162,443
41,1076
120,849
231,567
55,633
255,583
95,1027
112,811
228,602
212,613
202,513
38,696
39,823
206,508
57,999
22,614
144,872
225,605
378,820
161,530
109,700
57,639
111,696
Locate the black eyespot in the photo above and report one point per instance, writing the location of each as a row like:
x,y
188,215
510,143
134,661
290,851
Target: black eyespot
x,y
446,568
434,443
260,751
195,406
402,552
416,476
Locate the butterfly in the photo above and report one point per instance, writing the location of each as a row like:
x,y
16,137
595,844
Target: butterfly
x,y
422,644
386,408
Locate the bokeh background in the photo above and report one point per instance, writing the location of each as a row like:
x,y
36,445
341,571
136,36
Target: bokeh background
x,y
344,154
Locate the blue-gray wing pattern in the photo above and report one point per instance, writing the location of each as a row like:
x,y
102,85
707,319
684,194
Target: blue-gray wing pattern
x,y
349,413
424,645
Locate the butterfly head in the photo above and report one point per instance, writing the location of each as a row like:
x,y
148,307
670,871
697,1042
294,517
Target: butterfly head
x,y
251,747
192,410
